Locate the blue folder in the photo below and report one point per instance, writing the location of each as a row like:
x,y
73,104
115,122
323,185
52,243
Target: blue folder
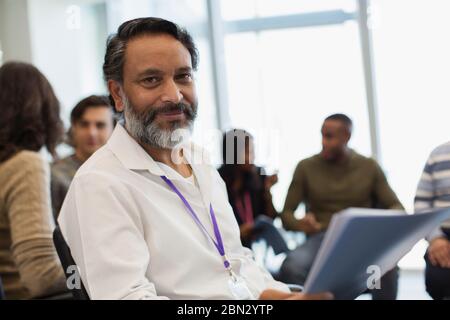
x,y
361,244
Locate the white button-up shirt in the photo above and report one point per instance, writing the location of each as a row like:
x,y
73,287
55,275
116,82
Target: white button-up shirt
x,y
132,237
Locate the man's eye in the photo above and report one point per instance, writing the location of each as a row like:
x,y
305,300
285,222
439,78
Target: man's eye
x,y
150,80
185,77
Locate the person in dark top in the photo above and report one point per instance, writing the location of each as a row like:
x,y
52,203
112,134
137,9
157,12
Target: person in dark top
x,y
248,190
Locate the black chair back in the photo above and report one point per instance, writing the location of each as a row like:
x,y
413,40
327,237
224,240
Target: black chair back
x,y
2,294
69,265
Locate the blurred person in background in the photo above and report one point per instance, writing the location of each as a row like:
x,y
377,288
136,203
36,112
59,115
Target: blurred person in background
x,y
248,191
91,125
336,179
29,265
433,192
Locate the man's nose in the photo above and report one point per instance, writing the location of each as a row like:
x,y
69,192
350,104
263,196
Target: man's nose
x,y
92,130
171,92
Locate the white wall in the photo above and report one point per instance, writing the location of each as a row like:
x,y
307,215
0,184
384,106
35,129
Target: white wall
x,y
64,41
66,44
14,31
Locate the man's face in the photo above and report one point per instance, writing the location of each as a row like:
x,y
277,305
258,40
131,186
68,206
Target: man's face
x,y
159,93
93,129
335,136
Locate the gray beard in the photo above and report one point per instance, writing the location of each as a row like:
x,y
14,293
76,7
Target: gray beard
x,y
151,134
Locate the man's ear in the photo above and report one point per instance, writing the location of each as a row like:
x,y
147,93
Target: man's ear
x,y
348,136
115,89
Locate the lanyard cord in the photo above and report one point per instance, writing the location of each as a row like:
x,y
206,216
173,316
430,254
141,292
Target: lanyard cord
x,y
217,243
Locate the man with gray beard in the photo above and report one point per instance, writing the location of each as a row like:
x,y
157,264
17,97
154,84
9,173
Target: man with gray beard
x,y
142,219
146,131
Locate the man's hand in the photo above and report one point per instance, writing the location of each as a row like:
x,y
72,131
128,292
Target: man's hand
x,y
439,252
270,181
309,224
271,294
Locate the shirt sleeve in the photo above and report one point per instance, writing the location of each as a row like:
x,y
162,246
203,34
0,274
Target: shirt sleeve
x,y
104,231
425,195
269,281
383,192
294,197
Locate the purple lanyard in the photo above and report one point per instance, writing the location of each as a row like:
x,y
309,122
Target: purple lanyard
x,y
219,242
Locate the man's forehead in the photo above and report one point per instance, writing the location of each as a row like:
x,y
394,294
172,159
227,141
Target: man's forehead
x,y
156,52
333,125
96,112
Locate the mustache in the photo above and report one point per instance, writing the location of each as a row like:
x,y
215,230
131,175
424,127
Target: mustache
x,y
188,110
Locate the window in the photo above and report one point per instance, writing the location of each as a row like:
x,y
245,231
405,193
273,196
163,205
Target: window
x,y
413,78
263,8
285,82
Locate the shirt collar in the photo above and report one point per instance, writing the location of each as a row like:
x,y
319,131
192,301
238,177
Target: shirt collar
x,y
134,157
130,153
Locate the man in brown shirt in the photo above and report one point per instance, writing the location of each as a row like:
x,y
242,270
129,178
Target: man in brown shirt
x,y
336,179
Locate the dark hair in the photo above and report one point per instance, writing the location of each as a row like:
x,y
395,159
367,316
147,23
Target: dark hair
x,y
92,101
230,172
29,111
342,118
117,43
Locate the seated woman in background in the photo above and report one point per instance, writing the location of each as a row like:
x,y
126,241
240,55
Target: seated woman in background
x,y
249,191
29,265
